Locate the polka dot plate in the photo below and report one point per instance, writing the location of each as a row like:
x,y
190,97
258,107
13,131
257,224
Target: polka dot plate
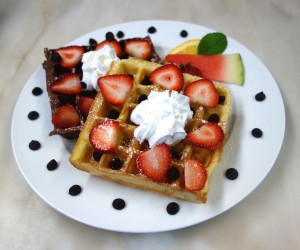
x,y
256,133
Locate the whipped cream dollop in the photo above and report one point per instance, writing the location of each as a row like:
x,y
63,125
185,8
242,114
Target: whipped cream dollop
x,y
161,118
95,64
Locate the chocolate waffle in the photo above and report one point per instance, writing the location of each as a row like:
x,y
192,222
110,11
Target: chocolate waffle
x,y
128,149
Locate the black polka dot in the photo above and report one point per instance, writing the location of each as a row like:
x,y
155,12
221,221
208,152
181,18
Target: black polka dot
x,y
118,204
260,96
172,208
33,115
37,91
52,165
75,190
183,33
231,173
257,133
34,145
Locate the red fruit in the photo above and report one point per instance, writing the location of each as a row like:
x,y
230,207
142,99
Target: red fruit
x,y
224,68
155,162
195,175
104,136
84,104
203,92
138,48
66,117
114,44
209,135
68,84
188,69
70,56
115,88
168,76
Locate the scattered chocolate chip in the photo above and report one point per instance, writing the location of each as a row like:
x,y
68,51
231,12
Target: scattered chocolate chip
x,y
126,141
146,81
37,91
55,57
93,42
172,208
214,118
115,163
142,97
120,34
221,99
256,132
109,36
83,85
97,156
118,204
75,190
52,165
34,145
33,115
183,33
260,96
113,114
173,173
231,173
176,155
152,30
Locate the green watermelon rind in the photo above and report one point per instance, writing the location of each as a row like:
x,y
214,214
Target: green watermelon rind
x,y
237,75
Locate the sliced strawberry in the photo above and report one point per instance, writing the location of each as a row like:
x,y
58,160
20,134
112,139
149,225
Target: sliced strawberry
x,y
66,117
114,44
195,175
84,104
69,84
70,56
203,92
104,136
138,48
115,88
155,162
168,76
209,135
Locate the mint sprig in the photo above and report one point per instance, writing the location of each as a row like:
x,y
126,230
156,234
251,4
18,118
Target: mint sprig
x,y
212,43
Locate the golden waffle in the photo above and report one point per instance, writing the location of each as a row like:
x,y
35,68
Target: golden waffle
x,y
129,148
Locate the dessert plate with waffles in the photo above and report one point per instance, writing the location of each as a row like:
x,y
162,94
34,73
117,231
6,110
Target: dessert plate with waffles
x,y
147,126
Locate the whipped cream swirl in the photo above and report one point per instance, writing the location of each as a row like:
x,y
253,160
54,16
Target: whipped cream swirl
x,y
95,64
161,118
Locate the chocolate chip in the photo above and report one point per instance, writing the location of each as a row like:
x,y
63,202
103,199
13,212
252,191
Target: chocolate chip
x,y
183,33
118,204
83,85
172,208
113,114
97,156
109,36
120,34
55,57
52,165
221,99
173,173
33,115
260,96
142,97
231,173
115,163
37,91
214,118
93,42
146,81
152,30
176,155
34,145
256,132
75,190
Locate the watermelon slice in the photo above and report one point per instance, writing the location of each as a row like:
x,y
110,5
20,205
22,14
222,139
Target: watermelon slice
x,y
224,68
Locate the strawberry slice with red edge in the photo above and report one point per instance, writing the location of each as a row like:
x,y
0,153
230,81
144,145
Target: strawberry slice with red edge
x,y
84,105
195,175
66,116
104,138
115,88
155,162
168,76
209,135
69,84
203,92
138,48
112,43
70,56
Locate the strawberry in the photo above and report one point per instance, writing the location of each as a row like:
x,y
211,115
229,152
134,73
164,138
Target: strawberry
x,y
112,43
84,104
70,56
203,92
195,175
155,162
209,135
104,136
115,88
69,84
168,76
66,117
138,48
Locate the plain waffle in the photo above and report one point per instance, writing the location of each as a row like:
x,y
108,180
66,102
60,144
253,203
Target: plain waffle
x,y
128,149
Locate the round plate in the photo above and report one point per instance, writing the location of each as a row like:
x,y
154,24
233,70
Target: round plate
x,y
146,211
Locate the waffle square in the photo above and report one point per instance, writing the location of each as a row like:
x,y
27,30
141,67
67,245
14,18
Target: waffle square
x,y
128,149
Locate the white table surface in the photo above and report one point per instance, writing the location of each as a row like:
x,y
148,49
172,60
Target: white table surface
x,y
268,218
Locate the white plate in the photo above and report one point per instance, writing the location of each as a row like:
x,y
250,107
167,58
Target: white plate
x,y
145,211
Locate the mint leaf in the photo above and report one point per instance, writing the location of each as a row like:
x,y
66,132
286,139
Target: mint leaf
x,y
212,43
